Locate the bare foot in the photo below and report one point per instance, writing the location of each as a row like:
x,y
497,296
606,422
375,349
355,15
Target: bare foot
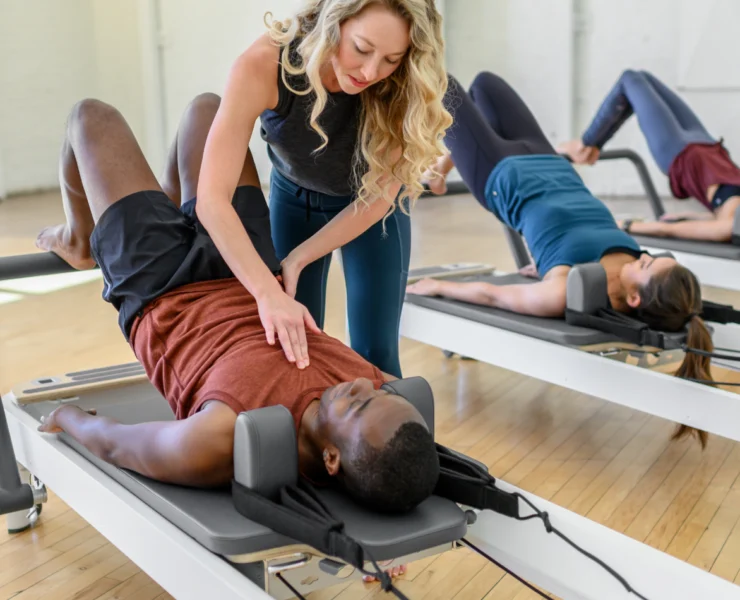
x,y
394,572
58,240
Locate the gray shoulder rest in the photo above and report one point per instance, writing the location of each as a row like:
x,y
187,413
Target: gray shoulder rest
x,y
586,287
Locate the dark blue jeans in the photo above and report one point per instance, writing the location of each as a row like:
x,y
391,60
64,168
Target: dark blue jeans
x,y
376,267
666,121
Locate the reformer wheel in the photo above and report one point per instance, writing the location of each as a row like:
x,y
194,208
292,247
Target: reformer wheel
x,y
22,520
36,484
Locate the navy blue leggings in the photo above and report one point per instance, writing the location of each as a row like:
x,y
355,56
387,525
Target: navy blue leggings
x,y
666,121
491,122
376,267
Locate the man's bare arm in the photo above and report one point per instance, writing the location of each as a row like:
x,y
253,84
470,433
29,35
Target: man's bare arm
x,y
197,451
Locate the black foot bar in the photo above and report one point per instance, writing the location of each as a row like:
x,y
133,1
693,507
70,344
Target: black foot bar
x,y
32,265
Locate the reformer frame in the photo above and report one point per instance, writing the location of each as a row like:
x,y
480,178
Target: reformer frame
x,y
192,572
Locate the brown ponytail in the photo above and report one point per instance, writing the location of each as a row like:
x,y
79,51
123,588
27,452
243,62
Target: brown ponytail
x,y
695,366
670,302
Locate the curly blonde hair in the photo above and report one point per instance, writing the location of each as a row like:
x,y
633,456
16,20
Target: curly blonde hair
x,y
403,111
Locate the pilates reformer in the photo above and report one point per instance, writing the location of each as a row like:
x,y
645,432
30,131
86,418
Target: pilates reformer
x,y
716,264
197,543
584,359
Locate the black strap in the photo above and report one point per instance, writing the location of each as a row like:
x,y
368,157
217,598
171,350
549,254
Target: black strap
x,y
302,515
465,483
623,326
719,313
460,476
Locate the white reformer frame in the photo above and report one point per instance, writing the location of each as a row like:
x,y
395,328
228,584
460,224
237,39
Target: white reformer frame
x,y
190,571
547,561
182,566
710,409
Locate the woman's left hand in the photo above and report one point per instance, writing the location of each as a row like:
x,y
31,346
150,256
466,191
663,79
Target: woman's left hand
x,y
292,266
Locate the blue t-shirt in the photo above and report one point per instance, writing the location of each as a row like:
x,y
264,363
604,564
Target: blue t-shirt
x,y
545,200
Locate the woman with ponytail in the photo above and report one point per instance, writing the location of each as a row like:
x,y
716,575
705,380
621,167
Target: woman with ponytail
x,y
513,171
349,95
669,302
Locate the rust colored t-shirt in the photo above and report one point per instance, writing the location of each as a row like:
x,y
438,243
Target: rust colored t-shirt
x,y
205,341
699,166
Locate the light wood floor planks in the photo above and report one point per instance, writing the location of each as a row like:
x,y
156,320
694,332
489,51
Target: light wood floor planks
x,y
614,465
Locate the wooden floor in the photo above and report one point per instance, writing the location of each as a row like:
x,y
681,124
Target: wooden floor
x,y
611,464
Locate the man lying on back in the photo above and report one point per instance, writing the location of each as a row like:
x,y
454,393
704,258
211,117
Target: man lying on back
x,y
196,329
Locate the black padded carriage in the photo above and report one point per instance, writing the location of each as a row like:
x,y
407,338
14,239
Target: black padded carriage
x,y
209,516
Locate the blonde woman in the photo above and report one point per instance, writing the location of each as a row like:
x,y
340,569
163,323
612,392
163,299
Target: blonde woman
x,y
349,94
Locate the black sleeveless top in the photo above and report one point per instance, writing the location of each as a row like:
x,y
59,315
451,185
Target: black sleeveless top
x,y
291,140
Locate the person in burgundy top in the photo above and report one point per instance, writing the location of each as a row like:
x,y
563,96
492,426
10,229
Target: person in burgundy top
x,y
197,331
696,164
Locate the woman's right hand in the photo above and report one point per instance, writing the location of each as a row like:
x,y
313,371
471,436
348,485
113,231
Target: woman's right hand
x,y
282,315
578,153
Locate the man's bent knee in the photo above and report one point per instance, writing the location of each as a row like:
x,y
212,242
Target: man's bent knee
x,y
207,102
90,116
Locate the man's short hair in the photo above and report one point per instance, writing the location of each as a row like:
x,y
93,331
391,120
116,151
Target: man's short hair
x,y
399,476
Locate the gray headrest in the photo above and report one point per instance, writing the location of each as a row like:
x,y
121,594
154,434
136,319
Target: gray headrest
x,y
664,254
586,289
736,228
417,391
266,450
266,446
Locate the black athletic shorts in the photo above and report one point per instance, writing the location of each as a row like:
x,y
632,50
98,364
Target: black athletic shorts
x,y
145,247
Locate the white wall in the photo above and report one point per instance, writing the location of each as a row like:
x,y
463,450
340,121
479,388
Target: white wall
x,y
119,72
48,63
62,52
527,42
199,48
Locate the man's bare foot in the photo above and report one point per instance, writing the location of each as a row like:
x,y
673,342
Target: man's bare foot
x,y
394,572
58,240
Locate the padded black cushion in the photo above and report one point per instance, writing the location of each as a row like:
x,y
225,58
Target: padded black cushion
x,y
551,330
209,516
